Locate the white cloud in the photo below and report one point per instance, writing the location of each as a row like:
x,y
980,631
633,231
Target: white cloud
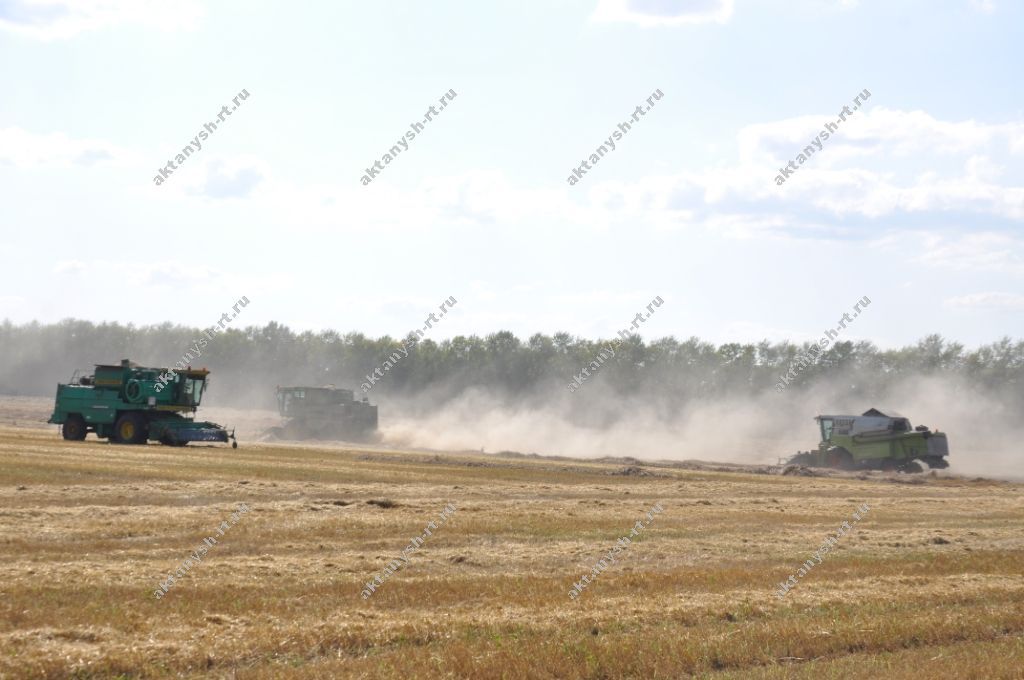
x,y
204,283
25,149
162,273
905,166
991,252
72,267
481,199
990,300
878,162
649,13
62,19
218,176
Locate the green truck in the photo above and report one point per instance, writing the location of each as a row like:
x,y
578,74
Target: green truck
x,y
131,404
875,440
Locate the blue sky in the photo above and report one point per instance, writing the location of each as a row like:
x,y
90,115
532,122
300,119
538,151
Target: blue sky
x,y
916,201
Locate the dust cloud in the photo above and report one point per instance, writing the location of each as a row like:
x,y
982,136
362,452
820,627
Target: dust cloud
x,y
746,429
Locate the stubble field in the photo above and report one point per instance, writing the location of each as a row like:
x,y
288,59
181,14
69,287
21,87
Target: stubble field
x,y
929,584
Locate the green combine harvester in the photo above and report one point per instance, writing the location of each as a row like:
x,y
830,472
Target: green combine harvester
x,y
324,413
122,403
875,441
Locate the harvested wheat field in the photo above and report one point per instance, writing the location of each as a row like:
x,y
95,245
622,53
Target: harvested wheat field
x,y
928,583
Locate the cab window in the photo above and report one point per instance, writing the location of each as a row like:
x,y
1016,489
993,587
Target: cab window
x,y
192,391
826,429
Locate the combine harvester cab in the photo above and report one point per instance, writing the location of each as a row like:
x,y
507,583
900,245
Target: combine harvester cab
x,y
324,413
875,441
122,403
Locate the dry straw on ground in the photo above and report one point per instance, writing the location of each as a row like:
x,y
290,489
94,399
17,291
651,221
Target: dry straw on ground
x,y
930,585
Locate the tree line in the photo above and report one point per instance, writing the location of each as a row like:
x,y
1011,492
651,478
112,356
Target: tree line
x,y
247,363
